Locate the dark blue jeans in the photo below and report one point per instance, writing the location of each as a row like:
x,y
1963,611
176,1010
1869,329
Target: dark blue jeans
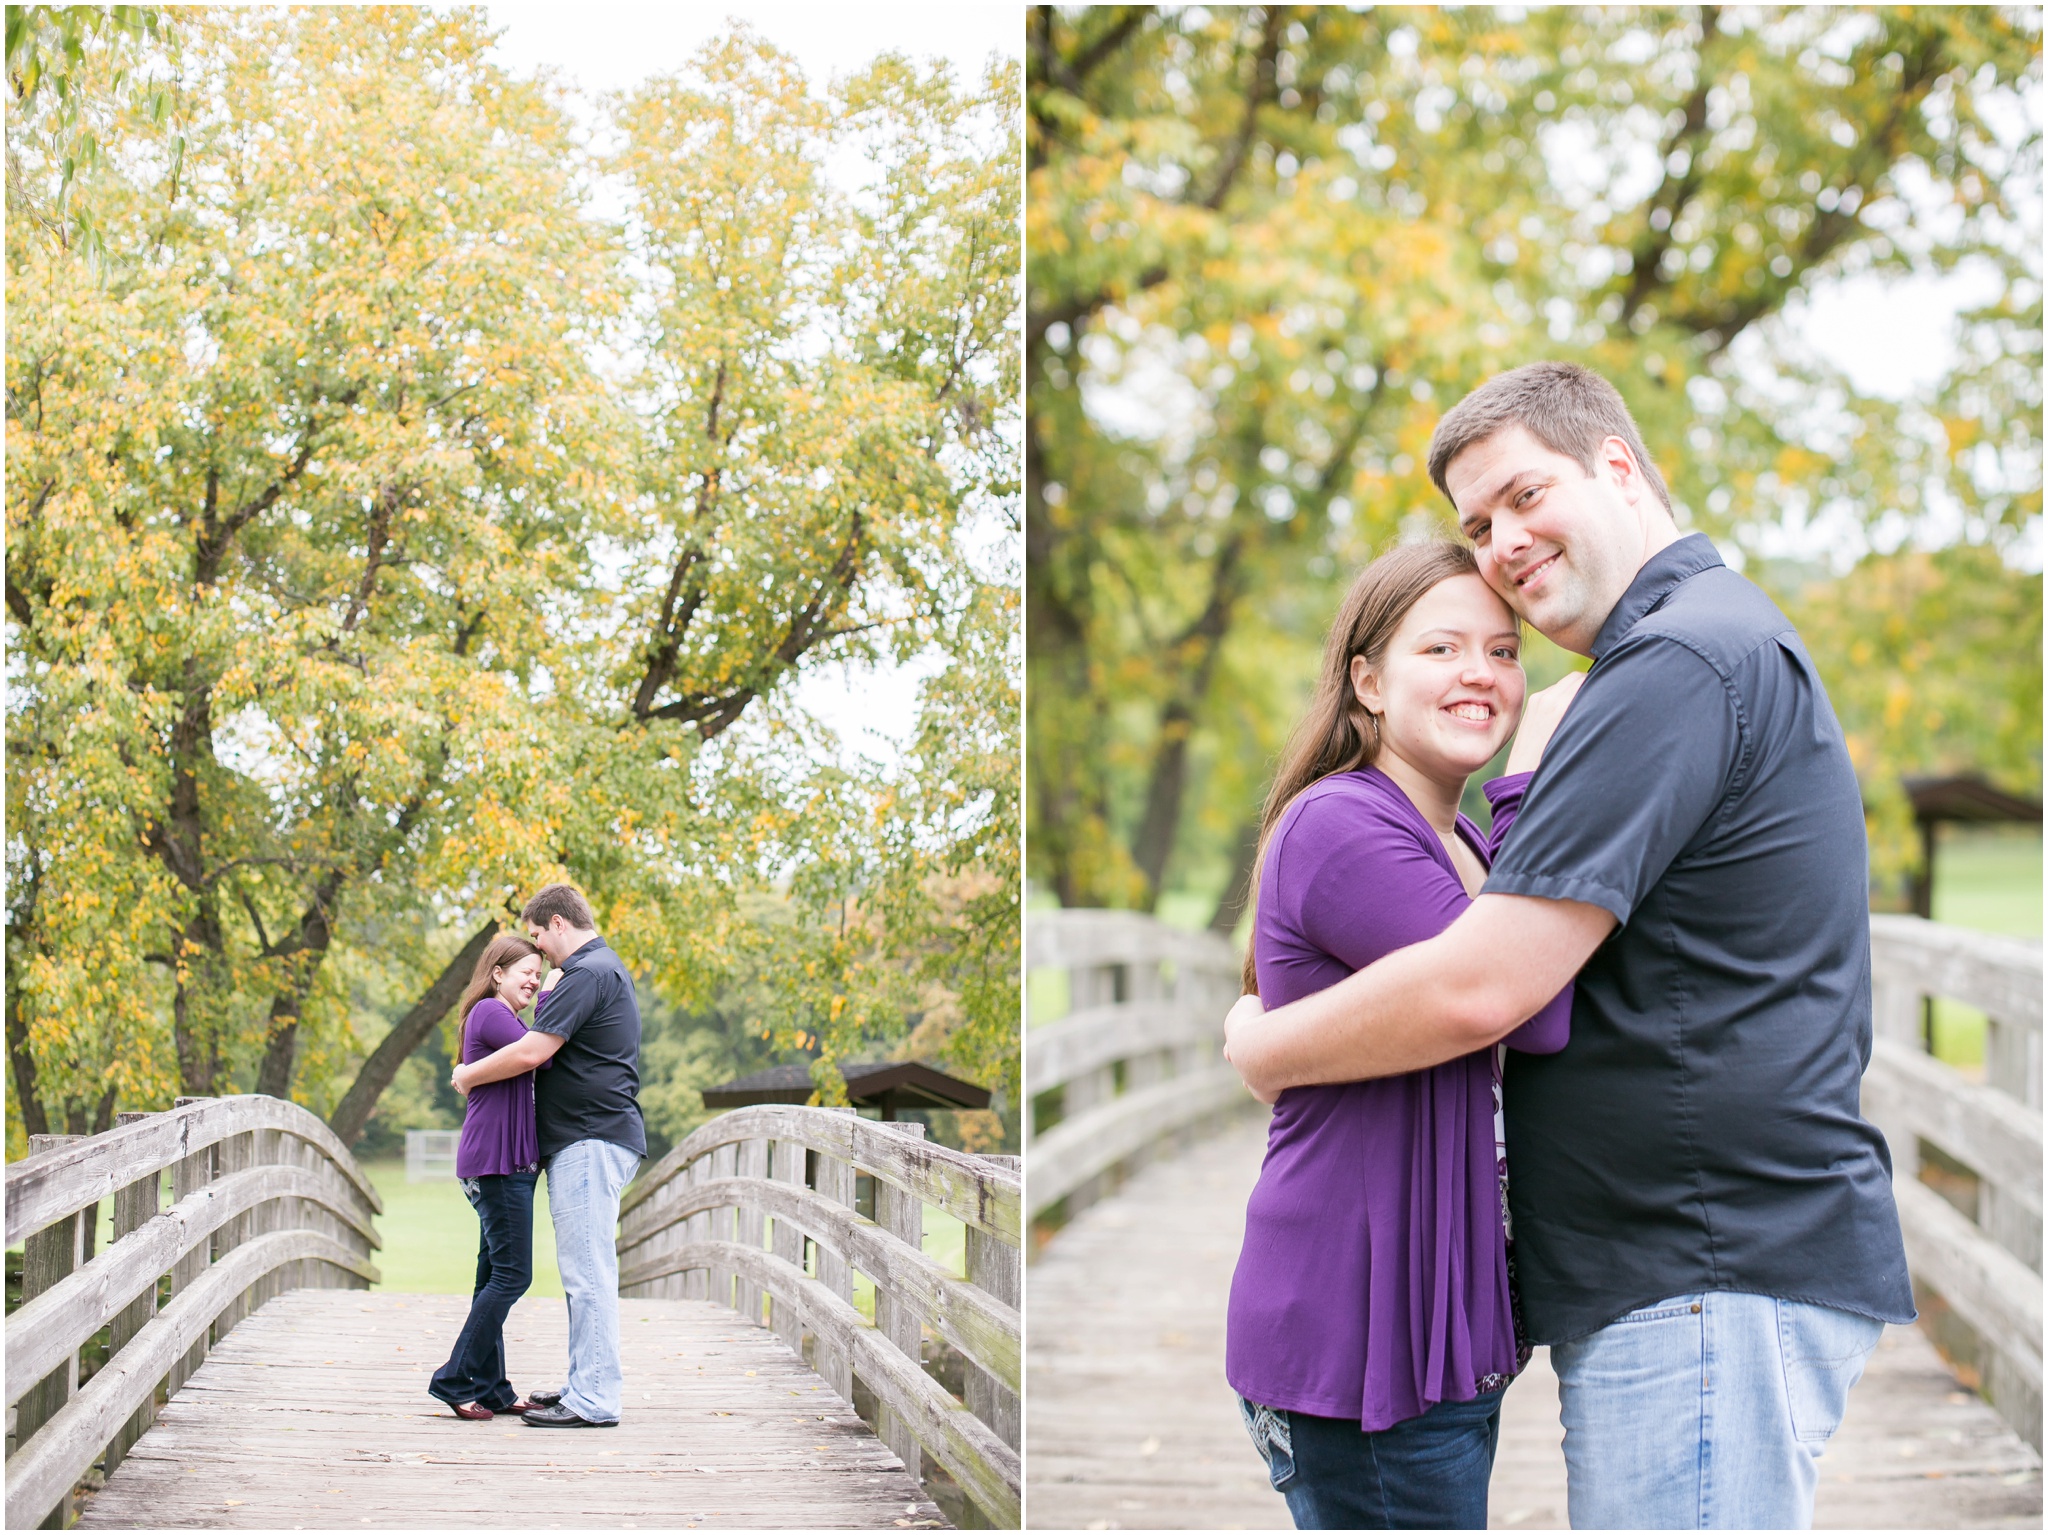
x,y
475,1372
1428,1473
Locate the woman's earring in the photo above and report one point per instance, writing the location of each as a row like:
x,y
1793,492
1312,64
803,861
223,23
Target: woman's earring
x,y
1375,728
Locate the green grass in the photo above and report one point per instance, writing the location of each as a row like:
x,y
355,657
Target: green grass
x,y
1988,878
430,1236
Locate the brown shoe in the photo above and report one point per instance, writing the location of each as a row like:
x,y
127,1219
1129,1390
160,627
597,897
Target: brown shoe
x,y
472,1412
527,1406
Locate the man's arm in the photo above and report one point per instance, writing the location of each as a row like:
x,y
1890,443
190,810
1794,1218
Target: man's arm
x,y
1471,986
522,1055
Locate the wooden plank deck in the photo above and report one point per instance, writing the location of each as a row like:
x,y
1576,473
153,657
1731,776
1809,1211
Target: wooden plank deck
x,y
313,1414
1129,1424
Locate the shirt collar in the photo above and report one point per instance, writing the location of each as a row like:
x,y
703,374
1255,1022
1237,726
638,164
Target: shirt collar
x,y
1661,575
589,948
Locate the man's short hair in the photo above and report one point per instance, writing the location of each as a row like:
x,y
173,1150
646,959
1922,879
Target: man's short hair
x,y
564,901
1567,408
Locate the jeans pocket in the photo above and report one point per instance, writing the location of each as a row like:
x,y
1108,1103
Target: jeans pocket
x,y
1824,1351
1273,1437
1660,1311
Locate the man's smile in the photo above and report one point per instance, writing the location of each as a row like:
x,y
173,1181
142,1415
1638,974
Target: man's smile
x,y
1535,572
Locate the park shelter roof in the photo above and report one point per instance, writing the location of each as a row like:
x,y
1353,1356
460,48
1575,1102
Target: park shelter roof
x,y
1967,799
886,1085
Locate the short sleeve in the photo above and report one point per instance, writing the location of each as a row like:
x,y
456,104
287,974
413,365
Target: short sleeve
x,y
1645,757
1368,882
569,1005
493,1025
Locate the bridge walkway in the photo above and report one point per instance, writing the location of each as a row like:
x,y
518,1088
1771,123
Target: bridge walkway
x,y
1130,1425
313,1414
225,1363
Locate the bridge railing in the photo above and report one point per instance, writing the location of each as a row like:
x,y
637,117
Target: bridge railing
x,y
1137,1059
264,1198
757,1210
1987,1269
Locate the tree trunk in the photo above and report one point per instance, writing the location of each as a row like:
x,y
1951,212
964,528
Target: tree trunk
x,y
23,1064
305,949
1198,650
381,1069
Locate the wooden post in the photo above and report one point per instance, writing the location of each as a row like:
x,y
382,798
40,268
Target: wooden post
x,y
188,1175
1895,1015
46,1258
722,1161
787,1166
999,1270
697,1282
236,1153
751,1227
134,1207
833,1179
902,1215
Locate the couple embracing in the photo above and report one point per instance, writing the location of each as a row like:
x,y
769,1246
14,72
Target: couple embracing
x,y
561,1096
1589,1081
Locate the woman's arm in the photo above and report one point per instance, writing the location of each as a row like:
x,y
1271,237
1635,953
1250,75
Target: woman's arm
x,y
524,1054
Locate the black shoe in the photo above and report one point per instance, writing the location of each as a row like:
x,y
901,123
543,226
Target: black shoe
x,y
559,1416
544,1398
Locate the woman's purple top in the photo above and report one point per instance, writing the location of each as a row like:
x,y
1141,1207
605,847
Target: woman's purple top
x,y
497,1128
1374,1280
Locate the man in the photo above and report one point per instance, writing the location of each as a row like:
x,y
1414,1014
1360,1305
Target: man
x,y
1705,1231
592,1139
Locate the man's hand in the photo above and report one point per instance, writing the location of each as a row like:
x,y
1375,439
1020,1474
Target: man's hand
x,y
1245,1012
459,1080
1540,719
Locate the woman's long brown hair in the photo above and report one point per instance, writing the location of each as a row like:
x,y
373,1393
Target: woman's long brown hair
x,y
505,950
1338,734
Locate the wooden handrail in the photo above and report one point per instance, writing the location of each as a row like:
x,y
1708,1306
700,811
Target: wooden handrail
x,y
1988,1269
961,1185
60,1320
966,1316
266,1199
698,1225
1137,1060
46,1186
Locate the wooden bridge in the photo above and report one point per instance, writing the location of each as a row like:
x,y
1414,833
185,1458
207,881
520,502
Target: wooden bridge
x,y
224,1364
1146,1147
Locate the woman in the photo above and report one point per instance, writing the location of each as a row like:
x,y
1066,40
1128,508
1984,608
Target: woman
x,y
1372,1318
498,1161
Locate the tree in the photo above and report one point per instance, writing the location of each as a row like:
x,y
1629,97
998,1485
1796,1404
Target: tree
x,y
64,102
286,475
827,378
1271,245
351,600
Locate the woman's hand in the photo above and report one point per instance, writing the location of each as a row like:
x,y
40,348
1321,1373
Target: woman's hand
x,y
459,1080
1244,1012
1540,718
548,984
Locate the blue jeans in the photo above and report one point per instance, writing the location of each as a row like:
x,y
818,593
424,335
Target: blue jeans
x,y
1706,1411
1428,1473
475,1371
584,1181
